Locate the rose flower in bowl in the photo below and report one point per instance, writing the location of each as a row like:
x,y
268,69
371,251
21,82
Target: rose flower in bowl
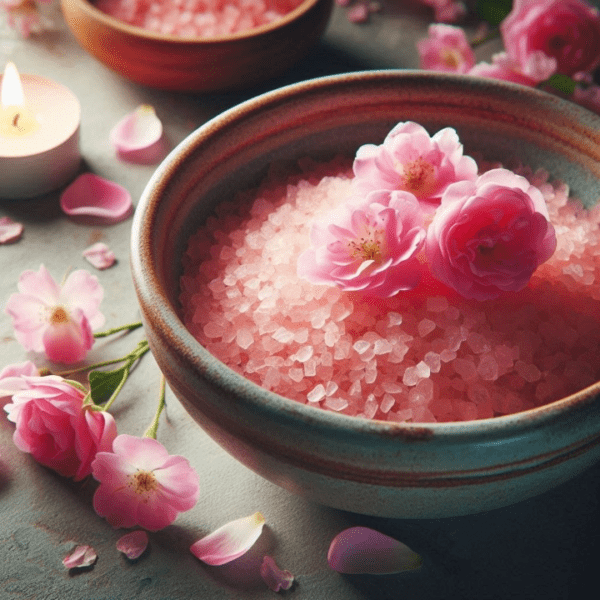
x,y
426,413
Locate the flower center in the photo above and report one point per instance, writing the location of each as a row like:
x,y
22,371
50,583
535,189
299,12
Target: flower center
x,y
144,482
59,315
451,58
418,177
368,246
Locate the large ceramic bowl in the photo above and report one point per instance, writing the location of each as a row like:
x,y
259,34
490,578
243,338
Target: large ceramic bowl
x,y
370,467
198,65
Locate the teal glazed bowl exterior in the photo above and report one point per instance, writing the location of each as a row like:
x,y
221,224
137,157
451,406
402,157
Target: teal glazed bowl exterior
x,y
378,468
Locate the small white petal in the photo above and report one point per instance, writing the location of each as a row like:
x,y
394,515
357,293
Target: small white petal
x,y
10,231
133,544
99,255
230,541
82,556
137,130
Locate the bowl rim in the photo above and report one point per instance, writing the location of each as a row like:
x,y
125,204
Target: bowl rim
x,y
93,12
264,400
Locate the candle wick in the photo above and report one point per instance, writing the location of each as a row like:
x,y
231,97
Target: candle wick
x,y
16,120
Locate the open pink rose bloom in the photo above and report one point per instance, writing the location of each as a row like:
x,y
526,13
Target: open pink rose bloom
x,y
566,30
56,429
141,484
56,319
446,48
412,161
489,236
372,248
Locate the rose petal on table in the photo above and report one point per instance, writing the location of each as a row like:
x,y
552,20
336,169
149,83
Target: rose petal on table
x,y
276,578
10,231
230,541
99,255
133,544
93,196
138,130
364,550
82,556
358,13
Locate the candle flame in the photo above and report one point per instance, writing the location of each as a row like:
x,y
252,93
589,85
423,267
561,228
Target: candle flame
x,y
12,90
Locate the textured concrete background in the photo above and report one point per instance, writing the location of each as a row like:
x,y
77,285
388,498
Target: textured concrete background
x,y
541,548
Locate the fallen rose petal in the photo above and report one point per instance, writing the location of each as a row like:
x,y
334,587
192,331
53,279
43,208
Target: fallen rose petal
x,y
230,541
10,231
82,556
273,576
93,196
138,130
100,256
359,13
364,550
133,544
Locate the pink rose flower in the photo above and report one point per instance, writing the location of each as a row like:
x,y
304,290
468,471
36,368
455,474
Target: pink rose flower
x,y
445,49
54,426
141,484
447,11
537,67
11,378
412,161
56,319
489,236
567,30
372,248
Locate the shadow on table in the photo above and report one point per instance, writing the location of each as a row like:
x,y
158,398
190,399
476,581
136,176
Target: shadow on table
x,y
545,547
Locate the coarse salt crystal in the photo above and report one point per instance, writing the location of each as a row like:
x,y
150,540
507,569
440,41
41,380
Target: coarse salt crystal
x,y
437,304
335,404
386,403
426,326
316,394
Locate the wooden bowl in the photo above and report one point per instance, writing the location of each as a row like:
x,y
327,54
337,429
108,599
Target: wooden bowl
x,y
379,468
231,62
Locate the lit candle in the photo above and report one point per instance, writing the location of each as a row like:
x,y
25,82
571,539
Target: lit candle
x,y
39,135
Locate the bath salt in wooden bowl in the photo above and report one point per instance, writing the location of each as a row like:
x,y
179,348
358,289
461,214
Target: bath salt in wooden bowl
x,y
201,45
423,404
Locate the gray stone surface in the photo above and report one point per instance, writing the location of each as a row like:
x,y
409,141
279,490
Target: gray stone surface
x,y
541,548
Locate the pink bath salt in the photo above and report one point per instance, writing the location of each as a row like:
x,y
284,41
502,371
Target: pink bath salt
x,y
197,18
424,355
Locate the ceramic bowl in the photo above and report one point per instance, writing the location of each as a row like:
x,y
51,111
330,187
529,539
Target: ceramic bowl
x,y
370,467
198,65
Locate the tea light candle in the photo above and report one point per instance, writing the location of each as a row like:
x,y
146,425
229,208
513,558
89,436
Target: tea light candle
x,y
39,135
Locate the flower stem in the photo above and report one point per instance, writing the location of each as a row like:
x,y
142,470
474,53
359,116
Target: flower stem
x,y
151,431
128,327
104,363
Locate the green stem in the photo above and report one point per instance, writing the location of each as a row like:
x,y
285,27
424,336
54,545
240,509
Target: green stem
x,y
104,363
151,431
128,327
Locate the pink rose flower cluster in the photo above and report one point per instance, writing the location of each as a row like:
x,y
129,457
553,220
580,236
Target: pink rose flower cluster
x,y
27,16
59,423
541,38
419,203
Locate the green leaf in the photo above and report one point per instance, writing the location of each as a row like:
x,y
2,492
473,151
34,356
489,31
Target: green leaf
x,y
562,83
104,383
493,11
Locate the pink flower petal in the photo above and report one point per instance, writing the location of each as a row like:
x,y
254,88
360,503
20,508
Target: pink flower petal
x,y
93,196
230,541
359,13
274,577
133,544
82,556
10,231
99,255
138,130
364,550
